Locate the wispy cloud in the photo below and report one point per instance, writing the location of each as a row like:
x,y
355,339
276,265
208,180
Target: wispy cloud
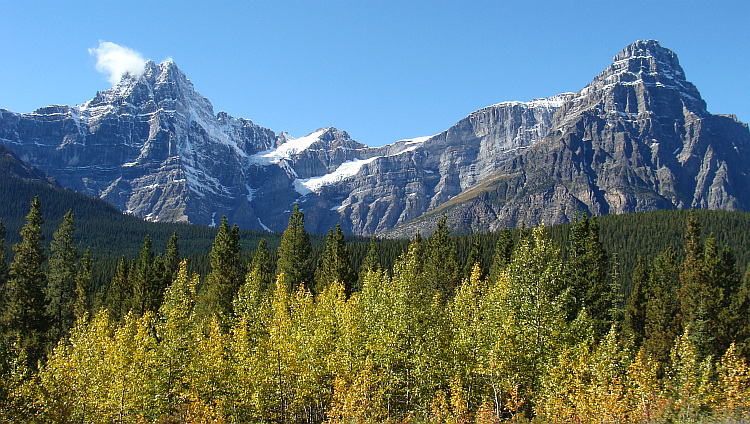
x,y
114,60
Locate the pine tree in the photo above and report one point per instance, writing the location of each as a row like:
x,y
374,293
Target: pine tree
x,y
25,316
144,281
61,279
294,253
475,257
663,321
441,270
635,312
503,252
172,258
371,262
119,293
3,273
261,266
225,278
588,275
740,316
83,284
699,297
334,264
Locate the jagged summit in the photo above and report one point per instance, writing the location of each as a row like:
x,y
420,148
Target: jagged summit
x,y
638,137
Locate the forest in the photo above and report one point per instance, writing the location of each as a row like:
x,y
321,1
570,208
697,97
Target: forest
x,y
530,325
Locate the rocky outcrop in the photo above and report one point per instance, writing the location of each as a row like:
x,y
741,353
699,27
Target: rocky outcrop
x,y
637,138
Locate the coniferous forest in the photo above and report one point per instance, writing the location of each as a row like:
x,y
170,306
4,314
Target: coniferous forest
x,y
600,320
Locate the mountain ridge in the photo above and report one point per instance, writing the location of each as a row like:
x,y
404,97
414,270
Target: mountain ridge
x,y
638,137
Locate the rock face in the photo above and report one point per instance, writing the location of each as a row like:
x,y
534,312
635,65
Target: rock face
x,y
637,138
151,146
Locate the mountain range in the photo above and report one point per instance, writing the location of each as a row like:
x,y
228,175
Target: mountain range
x,y
637,138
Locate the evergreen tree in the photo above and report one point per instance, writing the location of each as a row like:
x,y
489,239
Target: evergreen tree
x,y
145,281
503,252
172,258
294,253
225,278
119,293
588,275
635,312
61,279
699,296
475,257
740,316
441,270
24,315
3,273
370,263
83,284
334,264
663,321
261,266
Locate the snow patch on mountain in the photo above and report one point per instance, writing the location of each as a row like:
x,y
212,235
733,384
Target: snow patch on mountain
x,y
345,170
287,150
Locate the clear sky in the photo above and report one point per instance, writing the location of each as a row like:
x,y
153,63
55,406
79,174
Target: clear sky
x,y
382,71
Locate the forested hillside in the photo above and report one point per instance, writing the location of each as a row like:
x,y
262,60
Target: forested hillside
x,y
539,331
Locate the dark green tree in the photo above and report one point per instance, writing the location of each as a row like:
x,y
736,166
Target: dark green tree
x,y
441,270
334,264
635,312
261,265
294,253
226,276
83,284
588,275
172,258
503,252
663,321
120,292
61,279
3,271
24,314
370,263
740,316
145,281
475,256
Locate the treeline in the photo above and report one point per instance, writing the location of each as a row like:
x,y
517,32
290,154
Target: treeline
x,y
539,333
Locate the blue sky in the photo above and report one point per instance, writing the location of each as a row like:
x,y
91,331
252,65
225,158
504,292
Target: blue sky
x,y
382,71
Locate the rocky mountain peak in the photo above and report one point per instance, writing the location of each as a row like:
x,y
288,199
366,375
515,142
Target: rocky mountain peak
x,y
644,80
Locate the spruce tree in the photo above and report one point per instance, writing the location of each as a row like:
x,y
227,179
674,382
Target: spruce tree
x,y
635,312
3,273
503,252
475,257
334,265
83,284
119,293
61,279
261,266
740,316
369,264
663,321
441,270
587,272
222,284
144,280
24,315
294,253
172,257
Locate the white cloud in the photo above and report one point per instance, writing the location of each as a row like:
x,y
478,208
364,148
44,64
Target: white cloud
x,y
114,60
